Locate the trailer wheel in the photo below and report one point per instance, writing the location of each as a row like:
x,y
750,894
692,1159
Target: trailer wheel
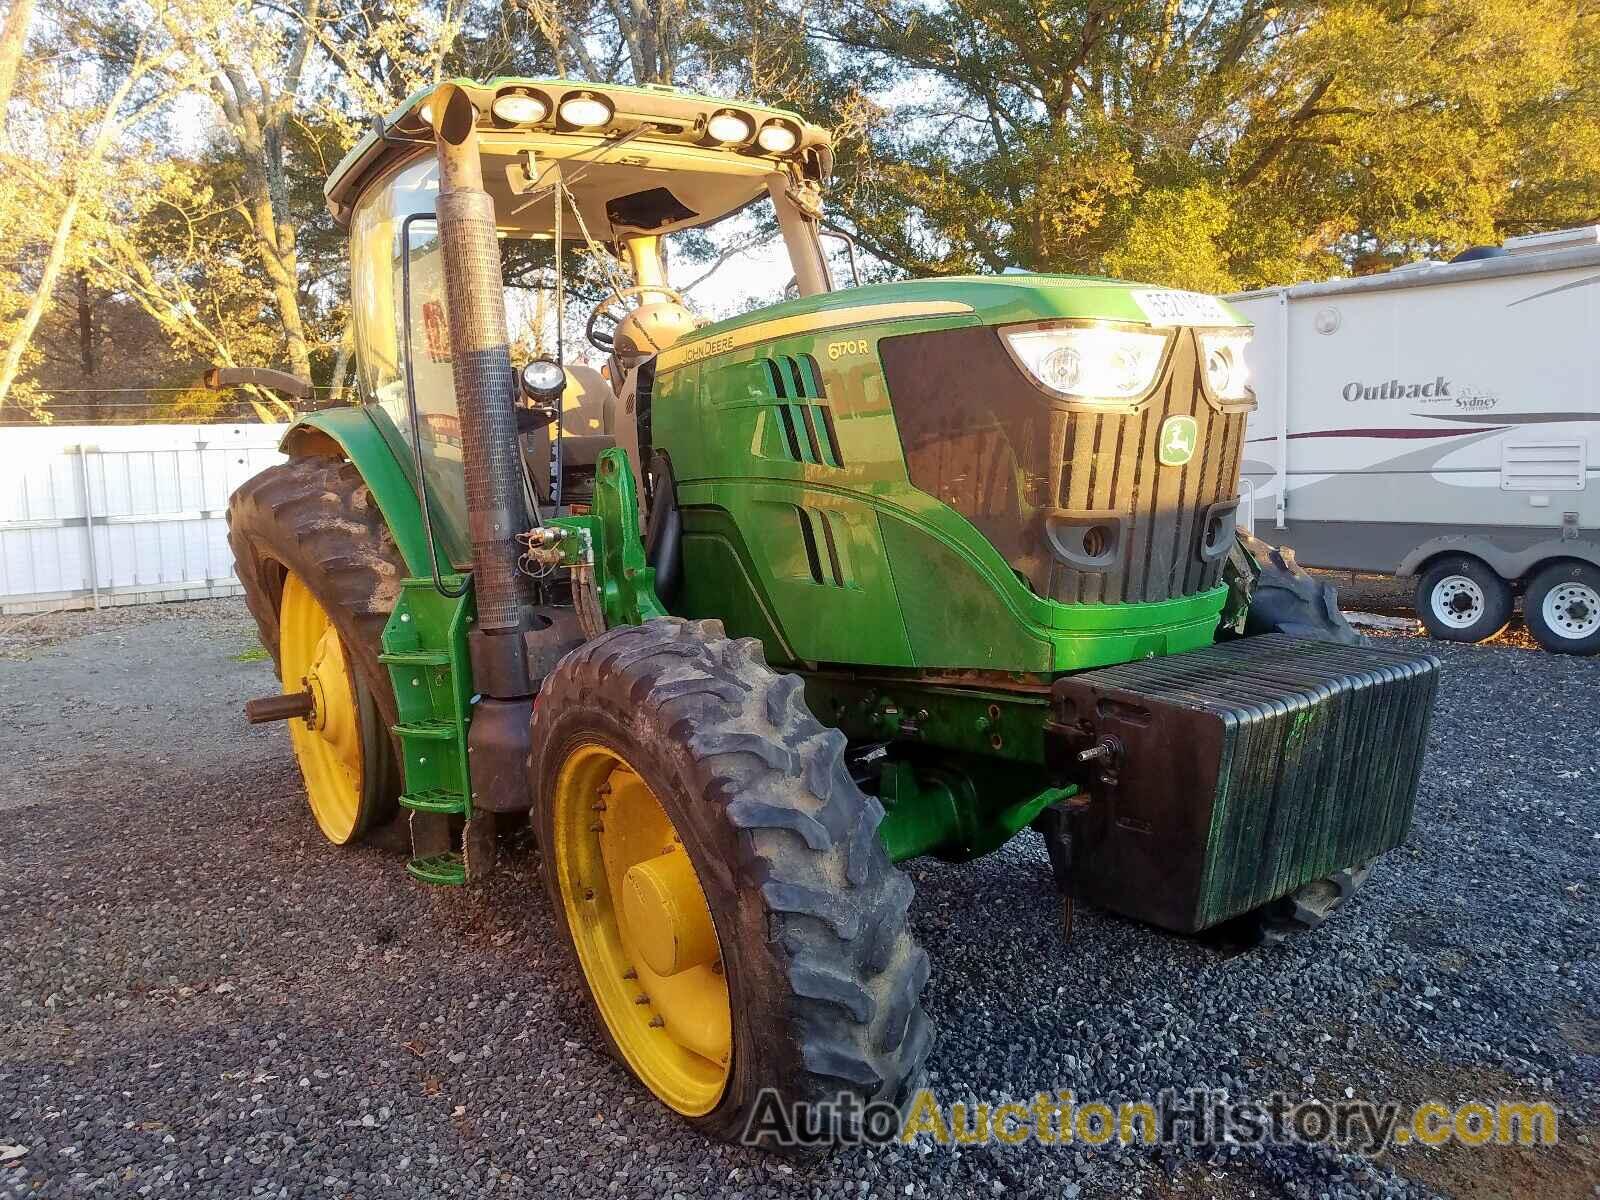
x,y
1286,598
320,573
719,878
1461,599
1562,608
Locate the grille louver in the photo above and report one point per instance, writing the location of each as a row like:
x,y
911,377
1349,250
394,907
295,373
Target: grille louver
x,y
1075,497
1111,466
826,546
808,432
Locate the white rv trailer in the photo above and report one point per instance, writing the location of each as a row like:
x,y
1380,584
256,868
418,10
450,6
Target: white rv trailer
x,y
1441,420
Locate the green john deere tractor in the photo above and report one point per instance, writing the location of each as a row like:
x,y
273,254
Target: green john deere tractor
x,y
768,606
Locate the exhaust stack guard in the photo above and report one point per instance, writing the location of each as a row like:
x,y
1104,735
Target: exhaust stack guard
x,y
485,387
481,366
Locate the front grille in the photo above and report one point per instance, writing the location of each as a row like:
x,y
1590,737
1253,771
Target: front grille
x,y
1075,498
1111,467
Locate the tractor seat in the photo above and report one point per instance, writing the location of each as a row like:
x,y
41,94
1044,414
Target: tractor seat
x,y
586,404
588,408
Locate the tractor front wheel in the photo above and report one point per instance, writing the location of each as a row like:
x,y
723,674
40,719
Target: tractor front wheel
x,y
320,573
719,877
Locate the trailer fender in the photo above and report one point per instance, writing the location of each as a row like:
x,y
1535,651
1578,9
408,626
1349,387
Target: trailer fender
x,y
1508,564
352,433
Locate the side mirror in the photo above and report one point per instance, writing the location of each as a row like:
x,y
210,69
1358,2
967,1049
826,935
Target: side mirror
x,y
218,378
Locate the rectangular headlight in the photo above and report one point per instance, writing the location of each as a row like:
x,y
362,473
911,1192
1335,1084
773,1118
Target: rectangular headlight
x,y
1090,362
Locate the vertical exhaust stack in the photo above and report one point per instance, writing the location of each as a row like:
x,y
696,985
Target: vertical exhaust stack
x,y
481,364
480,354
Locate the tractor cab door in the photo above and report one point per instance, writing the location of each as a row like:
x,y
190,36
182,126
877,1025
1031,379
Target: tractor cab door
x,y
400,316
402,336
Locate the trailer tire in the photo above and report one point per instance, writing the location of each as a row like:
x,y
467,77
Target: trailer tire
x,y
1461,599
315,518
1562,608
1287,599
823,978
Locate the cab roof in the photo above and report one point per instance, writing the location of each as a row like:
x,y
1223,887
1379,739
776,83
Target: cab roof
x,y
652,168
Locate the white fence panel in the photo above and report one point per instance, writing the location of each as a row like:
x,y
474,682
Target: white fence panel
x,y
92,515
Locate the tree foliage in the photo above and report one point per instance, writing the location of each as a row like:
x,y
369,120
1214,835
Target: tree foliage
x,y
1221,144
164,160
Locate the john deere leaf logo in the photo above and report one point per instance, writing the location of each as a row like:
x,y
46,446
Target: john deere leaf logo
x,y
1178,437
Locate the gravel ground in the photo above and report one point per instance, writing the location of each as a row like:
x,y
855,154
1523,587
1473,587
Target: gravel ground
x,y
200,997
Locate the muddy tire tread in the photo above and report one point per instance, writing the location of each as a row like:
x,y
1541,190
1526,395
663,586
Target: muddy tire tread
x,y
806,837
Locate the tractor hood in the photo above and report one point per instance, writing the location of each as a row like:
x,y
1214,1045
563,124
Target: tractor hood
x,y
983,299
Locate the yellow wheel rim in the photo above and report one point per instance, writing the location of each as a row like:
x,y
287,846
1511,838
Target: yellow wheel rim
x,y
328,743
644,935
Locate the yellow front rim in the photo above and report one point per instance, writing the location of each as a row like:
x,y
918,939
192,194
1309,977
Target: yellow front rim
x,y
328,743
639,918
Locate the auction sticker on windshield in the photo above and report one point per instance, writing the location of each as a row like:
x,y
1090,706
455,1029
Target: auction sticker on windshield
x,y
1182,308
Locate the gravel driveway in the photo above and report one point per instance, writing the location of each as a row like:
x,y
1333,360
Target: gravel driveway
x,y
198,996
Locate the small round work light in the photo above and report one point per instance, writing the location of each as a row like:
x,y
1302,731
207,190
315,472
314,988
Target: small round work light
x,y
777,138
543,381
728,127
585,110
520,108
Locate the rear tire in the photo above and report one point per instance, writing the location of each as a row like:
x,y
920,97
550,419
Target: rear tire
x,y
823,976
1460,599
1288,599
1562,608
316,519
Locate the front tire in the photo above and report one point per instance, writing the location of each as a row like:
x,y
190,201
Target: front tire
x,y
1460,599
1562,608
821,976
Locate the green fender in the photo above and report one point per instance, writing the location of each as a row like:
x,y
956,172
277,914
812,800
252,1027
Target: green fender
x,y
357,434
625,581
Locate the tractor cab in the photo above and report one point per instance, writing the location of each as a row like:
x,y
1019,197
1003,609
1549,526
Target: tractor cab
x,y
613,170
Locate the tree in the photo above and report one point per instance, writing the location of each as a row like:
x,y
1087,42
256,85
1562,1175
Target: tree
x,y
1211,144
256,83
153,71
13,40
1219,145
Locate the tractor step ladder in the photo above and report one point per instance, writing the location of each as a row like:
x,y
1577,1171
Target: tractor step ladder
x,y
425,649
